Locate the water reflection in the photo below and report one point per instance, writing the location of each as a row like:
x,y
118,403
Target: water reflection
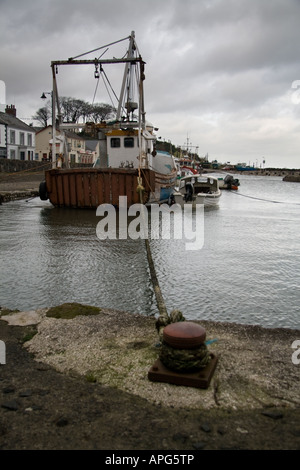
x,y
107,272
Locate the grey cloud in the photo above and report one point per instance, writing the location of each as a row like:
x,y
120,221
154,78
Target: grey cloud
x,y
208,62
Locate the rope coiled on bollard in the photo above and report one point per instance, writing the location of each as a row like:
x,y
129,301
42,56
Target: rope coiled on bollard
x,y
184,360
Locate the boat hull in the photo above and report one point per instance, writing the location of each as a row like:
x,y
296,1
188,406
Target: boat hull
x,y
88,188
197,189
208,200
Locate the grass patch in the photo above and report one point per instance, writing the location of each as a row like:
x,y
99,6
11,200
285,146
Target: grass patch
x,y
72,310
90,377
7,311
29,336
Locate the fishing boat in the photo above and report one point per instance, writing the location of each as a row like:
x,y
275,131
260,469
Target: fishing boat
x,y
183,170
129,164
197,189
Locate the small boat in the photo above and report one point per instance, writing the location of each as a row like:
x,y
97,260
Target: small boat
x,y
197,189
229,182
129,164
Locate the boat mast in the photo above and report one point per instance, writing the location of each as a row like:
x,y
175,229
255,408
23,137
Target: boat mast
x,y
54,91
126,94
55,103
142,112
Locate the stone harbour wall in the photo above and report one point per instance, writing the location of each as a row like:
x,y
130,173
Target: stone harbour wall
x,y
12,166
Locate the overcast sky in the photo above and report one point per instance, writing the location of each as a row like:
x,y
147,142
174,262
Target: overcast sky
x,y
224,74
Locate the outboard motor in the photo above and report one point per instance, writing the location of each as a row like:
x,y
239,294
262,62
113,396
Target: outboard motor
x,y
231,181
228,179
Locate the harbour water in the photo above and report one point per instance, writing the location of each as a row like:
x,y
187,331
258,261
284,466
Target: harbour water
x,y
247,271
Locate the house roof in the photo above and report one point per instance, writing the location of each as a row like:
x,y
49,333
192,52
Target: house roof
x,y
69,134
91,144
13,121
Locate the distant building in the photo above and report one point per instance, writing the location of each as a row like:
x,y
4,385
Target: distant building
x,y
42,143
92,148
3,148
79,149
17,139
2,96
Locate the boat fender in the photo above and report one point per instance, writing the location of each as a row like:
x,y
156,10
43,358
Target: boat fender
x,y
43,191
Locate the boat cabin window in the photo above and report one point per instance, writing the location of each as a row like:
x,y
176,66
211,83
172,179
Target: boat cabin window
x,y
115,142
128,142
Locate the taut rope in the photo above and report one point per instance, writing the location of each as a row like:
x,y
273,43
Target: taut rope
x,y
175,359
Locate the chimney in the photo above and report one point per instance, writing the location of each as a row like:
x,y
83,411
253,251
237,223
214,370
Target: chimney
x,y
11,110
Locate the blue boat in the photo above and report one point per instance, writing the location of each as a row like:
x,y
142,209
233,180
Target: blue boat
x,y
244,167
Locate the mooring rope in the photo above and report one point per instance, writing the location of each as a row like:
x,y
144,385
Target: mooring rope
x,y
184,360
163,313
20,172
261,199
181,360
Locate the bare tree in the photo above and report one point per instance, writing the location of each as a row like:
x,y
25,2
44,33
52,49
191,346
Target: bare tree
x,y
42,115
73,109
102,112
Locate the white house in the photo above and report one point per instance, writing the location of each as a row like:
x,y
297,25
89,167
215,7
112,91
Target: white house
x,y
2,140
17,138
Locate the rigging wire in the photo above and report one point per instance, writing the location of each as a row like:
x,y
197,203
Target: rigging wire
x,y
97,84
101,55
106,83
101,70
98,48
106,77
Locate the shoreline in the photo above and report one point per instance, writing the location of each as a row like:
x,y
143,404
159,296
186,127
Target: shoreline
x,y
19,185
252,401
127,342
7,196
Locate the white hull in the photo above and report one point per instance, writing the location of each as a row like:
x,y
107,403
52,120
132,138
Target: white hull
x,y
197,189
206,199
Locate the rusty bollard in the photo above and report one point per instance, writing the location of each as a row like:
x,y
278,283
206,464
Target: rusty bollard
x,y
184,358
